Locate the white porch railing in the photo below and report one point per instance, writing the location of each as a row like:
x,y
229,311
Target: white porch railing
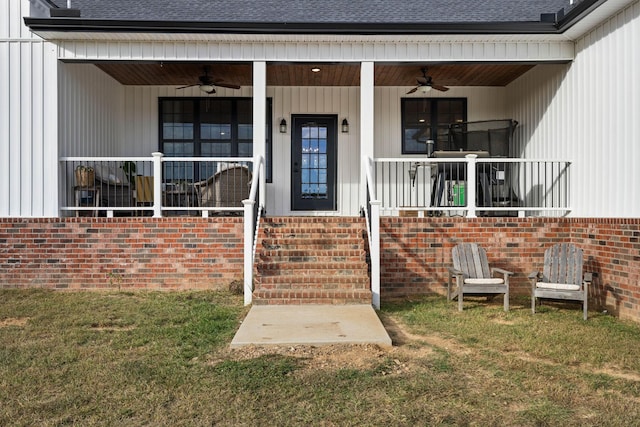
x,y
252,214
472,186
454,186
128,185
372,215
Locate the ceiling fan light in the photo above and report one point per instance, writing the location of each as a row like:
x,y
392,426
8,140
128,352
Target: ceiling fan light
x,y
425,88
206,88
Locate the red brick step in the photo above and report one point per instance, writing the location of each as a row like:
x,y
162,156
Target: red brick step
x,y
312,260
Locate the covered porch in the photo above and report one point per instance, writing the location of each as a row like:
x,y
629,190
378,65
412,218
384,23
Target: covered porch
x,y
377,169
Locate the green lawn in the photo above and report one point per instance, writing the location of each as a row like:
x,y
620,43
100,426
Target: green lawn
x,y
150,358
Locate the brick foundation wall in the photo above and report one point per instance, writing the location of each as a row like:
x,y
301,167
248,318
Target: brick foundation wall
x,y
416,253
141,253
206,253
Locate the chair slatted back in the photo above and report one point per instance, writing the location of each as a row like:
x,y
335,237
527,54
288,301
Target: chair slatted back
x,y
563,264
472,260
144,189
232,186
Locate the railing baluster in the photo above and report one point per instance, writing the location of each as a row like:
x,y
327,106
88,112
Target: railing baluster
x,y
502,186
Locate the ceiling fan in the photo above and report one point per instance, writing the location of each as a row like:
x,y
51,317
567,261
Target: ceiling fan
x,y
207,83
425,83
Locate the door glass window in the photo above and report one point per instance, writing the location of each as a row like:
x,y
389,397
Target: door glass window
x,y
314,162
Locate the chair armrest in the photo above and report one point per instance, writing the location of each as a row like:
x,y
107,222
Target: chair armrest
x,y
535,275
501,271
454,272
588,277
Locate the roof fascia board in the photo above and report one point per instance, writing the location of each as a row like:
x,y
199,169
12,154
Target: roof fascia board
x,y
579,22
38,25
576,14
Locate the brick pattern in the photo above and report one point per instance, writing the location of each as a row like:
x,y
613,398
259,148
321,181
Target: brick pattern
x,y
416,252
312,261
141,253
205,253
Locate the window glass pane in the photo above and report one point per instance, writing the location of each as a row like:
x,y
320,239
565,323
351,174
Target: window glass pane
x,y
245,149
215,131
178,171
212,127
177,119
178,149
429,118
215,119
216,149
245,131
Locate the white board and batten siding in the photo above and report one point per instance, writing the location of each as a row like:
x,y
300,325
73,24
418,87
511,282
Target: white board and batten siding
x,y
588,112
28,117
585,112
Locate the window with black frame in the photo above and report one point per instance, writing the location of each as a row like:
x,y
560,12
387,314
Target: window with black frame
x,y
429,118
208,127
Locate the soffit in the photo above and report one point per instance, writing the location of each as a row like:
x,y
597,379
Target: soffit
x,y
300,74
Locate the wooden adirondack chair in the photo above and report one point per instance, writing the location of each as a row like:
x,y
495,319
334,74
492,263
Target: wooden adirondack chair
x,y
562,277
473,275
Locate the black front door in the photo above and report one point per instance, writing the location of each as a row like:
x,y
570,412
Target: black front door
x,y
313,156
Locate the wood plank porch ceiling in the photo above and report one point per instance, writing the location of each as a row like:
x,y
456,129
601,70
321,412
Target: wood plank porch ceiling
x,y
286,74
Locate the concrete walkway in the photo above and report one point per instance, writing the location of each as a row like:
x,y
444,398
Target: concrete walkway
x,y
311,325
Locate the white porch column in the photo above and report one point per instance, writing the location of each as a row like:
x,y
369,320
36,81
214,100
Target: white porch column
x,y
366,124
259,117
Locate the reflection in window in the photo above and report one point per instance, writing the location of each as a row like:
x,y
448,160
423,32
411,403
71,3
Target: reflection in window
x,y
314,162
209,127
429,118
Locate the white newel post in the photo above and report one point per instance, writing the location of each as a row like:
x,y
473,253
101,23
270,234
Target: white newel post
x,y
248,250
471,185
375,253
157,184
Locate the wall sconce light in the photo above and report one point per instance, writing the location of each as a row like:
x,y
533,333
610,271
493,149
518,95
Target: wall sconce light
x,y
283,126
345,126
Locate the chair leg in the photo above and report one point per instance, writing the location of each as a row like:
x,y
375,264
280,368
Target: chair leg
x,y
460,281
506,294
533,296
533,303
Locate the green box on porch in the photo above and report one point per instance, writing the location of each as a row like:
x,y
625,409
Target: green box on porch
x,y
459,194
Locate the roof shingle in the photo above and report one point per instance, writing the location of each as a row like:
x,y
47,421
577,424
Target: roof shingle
x,y
319,11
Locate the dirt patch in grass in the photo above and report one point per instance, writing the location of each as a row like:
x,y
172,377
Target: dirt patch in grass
x,y
404,356
14,321
112,328
408,348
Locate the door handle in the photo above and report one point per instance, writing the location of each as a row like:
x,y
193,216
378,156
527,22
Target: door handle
x,y
295,167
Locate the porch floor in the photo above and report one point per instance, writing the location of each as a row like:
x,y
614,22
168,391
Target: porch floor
x,y
311,325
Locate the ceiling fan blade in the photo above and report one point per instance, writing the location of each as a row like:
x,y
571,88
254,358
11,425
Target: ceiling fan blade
x,y
440,88
184,87
413,90
227,85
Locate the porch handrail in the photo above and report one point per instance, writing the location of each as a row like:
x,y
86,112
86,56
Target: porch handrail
x,y
115,187
252,214
372,218
504,184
